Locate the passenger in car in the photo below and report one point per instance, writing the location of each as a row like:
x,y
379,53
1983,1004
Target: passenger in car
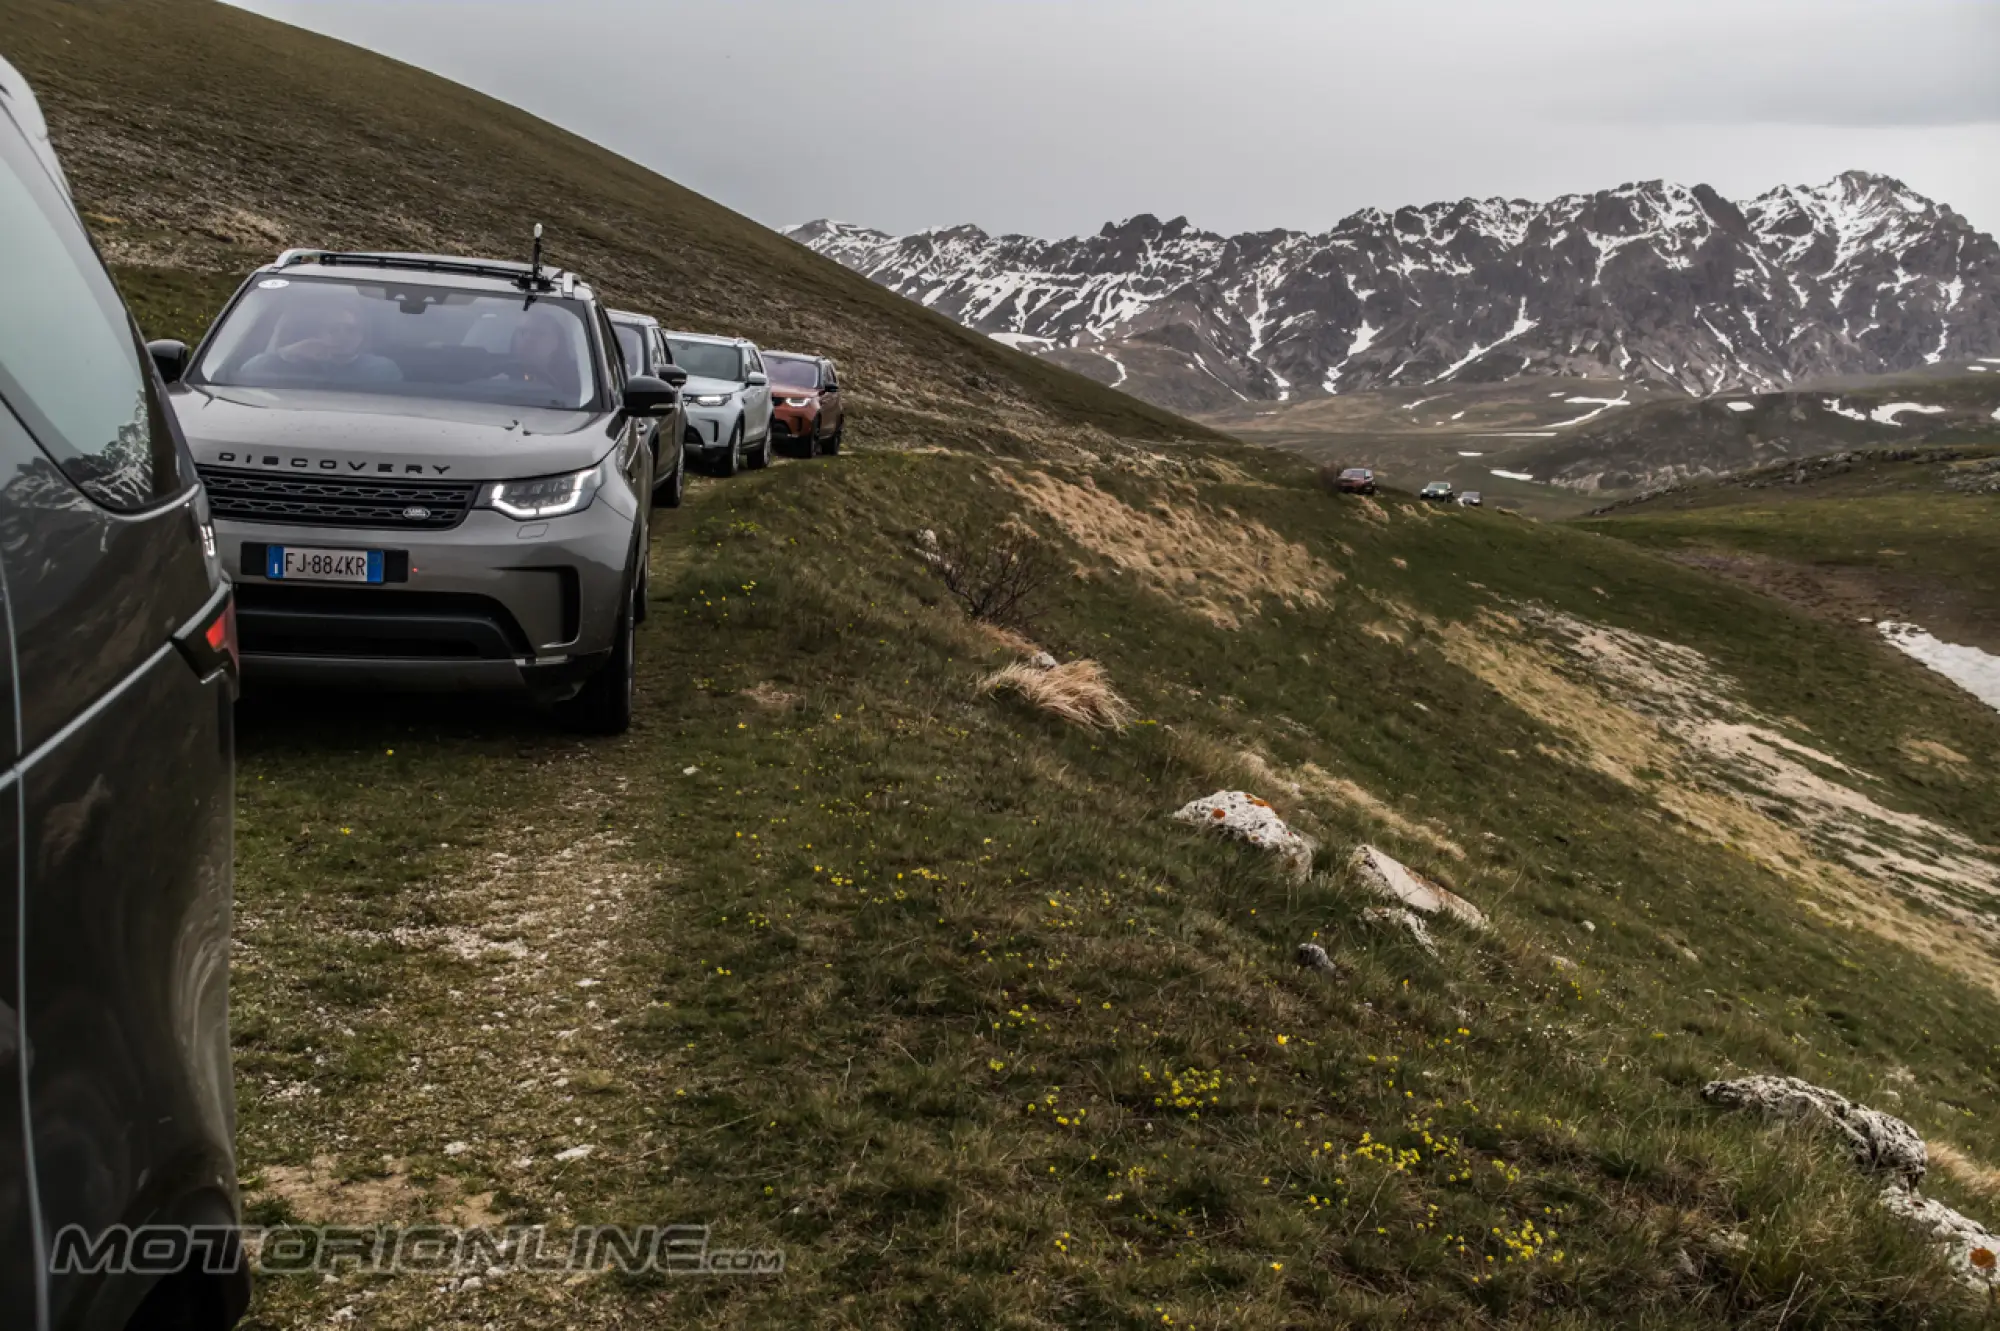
x,y
542,351
326,340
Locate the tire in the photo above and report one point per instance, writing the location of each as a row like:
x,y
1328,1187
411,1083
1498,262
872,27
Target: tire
x,y
812,439
668,493
603,706
832,446
732,455
761,459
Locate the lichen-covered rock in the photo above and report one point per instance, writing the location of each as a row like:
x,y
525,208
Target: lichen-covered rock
x,y
1390,878
1249,819
1974,1249
1881,1143
1884,1144
1397,917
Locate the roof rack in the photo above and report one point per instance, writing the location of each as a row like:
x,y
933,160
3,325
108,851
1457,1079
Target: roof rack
x,y
520,274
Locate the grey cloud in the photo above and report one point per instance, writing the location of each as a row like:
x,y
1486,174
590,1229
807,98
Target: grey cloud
x,y
1053,116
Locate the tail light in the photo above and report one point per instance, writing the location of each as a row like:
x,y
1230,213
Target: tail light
x,y
208,641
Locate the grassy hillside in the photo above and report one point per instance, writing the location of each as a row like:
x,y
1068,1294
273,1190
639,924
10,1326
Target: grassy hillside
x,y
190,179
1908,534
841,954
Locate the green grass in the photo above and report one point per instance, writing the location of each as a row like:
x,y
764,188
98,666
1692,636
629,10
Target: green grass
x,y
885,919
1884,535
923,987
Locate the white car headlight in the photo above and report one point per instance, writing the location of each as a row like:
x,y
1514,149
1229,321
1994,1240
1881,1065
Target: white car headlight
x,y
709,399
544,496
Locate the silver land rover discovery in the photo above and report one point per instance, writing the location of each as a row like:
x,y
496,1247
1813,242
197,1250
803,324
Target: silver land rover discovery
x,y
426,472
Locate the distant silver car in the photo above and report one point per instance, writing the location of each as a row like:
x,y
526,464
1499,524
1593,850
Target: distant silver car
x,y
1470,499
728,401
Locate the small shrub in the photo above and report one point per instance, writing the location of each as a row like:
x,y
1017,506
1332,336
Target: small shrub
x,y
998,577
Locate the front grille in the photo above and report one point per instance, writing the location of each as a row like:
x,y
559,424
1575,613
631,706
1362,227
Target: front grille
x,y
337,501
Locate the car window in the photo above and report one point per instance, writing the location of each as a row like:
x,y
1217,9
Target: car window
x,y
662,354
632,345
616,371
793,371
708,360
362,335
71,367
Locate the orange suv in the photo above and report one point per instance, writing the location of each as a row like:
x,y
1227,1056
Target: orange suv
x,y
805,402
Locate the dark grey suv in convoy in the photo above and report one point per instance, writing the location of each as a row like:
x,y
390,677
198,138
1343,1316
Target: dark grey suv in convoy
x,y
116,666
427,472
645,351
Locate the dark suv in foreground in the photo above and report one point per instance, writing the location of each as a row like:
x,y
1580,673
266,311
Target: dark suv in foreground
x,y
645,351
427,472
116,668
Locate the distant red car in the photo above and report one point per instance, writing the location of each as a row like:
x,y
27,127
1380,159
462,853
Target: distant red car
x,y
1357,481
805,402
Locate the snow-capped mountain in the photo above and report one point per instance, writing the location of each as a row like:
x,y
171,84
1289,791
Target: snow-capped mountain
x,y
1651,282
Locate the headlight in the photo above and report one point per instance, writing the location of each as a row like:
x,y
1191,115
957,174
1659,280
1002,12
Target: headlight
x,y
709,399
543,497
796,401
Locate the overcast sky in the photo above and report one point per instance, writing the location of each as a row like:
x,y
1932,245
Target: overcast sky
x,y
1053,116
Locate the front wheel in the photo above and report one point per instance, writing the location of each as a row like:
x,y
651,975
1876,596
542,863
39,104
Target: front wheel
x,y
733,454
832,448
762,457
669,492
812,439
603,706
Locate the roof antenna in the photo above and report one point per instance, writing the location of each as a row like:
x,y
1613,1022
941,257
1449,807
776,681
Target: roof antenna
x,y
535,261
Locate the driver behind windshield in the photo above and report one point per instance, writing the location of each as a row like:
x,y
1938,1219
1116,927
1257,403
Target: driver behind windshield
x,y
541,354
326,340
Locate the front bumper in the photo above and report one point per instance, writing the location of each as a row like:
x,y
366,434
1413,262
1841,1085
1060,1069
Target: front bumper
x,y
792,422
489,604
709,429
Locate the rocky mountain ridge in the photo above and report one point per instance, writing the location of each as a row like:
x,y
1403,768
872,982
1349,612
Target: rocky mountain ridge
x,y
1655,283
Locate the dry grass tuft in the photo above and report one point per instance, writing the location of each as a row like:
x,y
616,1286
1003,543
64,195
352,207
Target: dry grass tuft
x,y
1974,1175
1217,567
1076,691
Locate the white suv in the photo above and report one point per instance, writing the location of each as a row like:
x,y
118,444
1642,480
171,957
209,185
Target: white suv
x,y
728,401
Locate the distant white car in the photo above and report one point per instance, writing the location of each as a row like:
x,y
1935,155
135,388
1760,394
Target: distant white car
x,y
728,400
1471,499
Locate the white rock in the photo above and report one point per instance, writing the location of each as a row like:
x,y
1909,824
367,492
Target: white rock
x,y
1589,928
456,1148
689,771
1397,917
573,1153
1881,1143
1042,661
1964,1237
1391,879
1247,818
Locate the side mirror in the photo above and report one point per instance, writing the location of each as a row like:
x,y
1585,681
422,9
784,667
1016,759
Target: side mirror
x,y
647,396
672,374
757,379
170,357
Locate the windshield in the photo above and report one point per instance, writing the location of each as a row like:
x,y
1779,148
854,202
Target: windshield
x,y
632,346
792,371
426,341
708,360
